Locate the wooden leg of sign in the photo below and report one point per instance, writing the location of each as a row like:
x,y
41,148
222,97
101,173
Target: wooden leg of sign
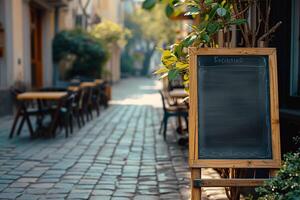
x,y
196,192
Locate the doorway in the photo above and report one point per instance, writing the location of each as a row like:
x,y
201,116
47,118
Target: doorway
x,y
36,46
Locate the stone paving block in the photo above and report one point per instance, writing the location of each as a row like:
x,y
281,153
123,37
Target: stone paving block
x,y
64,185
79,194
6,181
120,198
27,165
101,192
29,197
64,165
27,180
122,194
54,197
100,197
88,181
127,186
84,186
42,185
148,192
59,191
9,195
145,197
37,191
13,190
3,186
105,186
9,177
48,180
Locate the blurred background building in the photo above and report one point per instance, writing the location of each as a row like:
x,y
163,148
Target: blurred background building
x,y
27,28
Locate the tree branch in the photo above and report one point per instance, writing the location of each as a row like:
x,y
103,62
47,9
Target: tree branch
x,y
272,30
242,27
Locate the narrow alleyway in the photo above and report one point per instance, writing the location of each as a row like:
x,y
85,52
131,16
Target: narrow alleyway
x,y
118,155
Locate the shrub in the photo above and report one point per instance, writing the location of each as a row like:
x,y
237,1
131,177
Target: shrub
x,y
89,53
111,33
286,185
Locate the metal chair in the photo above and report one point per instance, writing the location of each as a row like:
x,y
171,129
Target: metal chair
x,y
171,111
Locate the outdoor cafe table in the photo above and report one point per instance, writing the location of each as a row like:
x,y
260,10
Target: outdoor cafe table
x,y
99,81
178,93
88,84
39,96
73,88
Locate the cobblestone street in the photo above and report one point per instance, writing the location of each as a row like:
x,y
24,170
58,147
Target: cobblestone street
x,y
118,155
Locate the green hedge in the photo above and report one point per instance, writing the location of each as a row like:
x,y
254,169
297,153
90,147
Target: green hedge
x,y
286,185
90,53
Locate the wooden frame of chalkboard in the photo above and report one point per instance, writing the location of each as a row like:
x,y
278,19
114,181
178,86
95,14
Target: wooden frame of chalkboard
x,y
194,161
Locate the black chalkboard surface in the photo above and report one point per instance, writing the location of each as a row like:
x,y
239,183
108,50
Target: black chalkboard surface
x,y
233,107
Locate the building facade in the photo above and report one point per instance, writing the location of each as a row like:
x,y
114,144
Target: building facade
x,y
26,33
286,41
27,28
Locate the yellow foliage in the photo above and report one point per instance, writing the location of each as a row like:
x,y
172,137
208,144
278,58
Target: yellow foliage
x,y
182,66
168,58
206,17
170,61
161,70
111,32
223,3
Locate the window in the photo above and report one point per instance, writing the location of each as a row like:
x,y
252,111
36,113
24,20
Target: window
x,y
78,20
295,53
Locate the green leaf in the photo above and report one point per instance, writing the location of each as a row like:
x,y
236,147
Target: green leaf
x,y
178,50
173,73
148,4
205,37
238,21
213,11
191,40
188,41
169,10
203,25
208,2
174,2
221,12
192,10
212,27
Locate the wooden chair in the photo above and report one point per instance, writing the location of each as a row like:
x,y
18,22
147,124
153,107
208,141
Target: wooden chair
x,y
94,101
88,103
84,105
67,114
171,110
32,110
20,114
76,108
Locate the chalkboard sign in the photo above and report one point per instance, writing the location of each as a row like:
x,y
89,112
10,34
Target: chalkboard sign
x,y
234,108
